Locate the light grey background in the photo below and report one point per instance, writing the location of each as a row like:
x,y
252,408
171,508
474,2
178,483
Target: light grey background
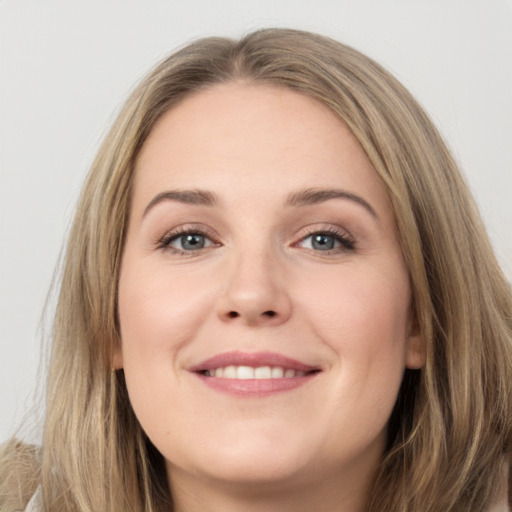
x,y
65,67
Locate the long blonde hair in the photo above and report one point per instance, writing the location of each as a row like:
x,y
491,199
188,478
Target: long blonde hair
x,y
451,428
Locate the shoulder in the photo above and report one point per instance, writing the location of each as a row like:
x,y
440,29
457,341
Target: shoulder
x,y
503,495
19,475
34,503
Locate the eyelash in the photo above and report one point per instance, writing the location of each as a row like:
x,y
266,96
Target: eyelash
x,y
346,242
165,242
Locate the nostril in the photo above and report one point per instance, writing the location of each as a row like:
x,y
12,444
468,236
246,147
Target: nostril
x,y
269,314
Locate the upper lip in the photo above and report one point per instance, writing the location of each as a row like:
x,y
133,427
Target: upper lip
x,y
253,359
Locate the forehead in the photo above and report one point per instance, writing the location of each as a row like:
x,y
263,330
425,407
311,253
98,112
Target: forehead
x,y
258,115
265,137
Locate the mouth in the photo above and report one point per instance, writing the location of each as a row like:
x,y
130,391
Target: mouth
x,y
248,372
254,374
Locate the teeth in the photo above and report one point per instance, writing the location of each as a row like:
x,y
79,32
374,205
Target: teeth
x,y
248,372
230,372
243,372
277,373
263,372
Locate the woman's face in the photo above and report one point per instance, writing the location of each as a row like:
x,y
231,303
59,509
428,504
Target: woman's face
x,y
263,299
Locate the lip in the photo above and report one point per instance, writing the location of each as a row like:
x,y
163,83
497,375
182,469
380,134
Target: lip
x,y
253,387
253,359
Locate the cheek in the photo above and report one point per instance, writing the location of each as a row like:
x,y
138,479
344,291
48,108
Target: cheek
x,y
360,299
362,315
159,311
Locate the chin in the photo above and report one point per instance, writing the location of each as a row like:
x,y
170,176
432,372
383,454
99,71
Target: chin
x,y
262,467
253,459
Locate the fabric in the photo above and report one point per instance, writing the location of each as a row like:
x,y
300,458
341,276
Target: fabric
x,y
34,504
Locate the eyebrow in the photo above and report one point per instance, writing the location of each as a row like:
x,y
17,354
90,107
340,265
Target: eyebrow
x,y
313,196
194,197
307,197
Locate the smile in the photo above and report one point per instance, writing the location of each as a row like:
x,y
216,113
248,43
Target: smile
x,y
260,374
248,372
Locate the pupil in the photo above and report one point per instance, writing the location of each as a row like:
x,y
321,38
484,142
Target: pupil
x,y
193,241
323,242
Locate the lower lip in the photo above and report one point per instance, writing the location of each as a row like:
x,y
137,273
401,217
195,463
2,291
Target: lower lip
x,y
255,387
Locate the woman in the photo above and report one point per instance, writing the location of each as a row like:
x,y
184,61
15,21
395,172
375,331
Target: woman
x,y
277,295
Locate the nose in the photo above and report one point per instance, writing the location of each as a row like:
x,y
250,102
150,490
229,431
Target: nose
x,y
256,292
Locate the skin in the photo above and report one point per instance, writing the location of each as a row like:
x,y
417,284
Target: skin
x,y
345,310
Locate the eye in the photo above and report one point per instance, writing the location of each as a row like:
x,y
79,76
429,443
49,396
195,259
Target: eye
x,y
327,241
186,242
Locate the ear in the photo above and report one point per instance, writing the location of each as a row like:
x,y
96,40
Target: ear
x,y
416,354
117,354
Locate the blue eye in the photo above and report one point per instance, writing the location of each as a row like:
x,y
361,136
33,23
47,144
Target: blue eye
x,y
325,242
187,242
